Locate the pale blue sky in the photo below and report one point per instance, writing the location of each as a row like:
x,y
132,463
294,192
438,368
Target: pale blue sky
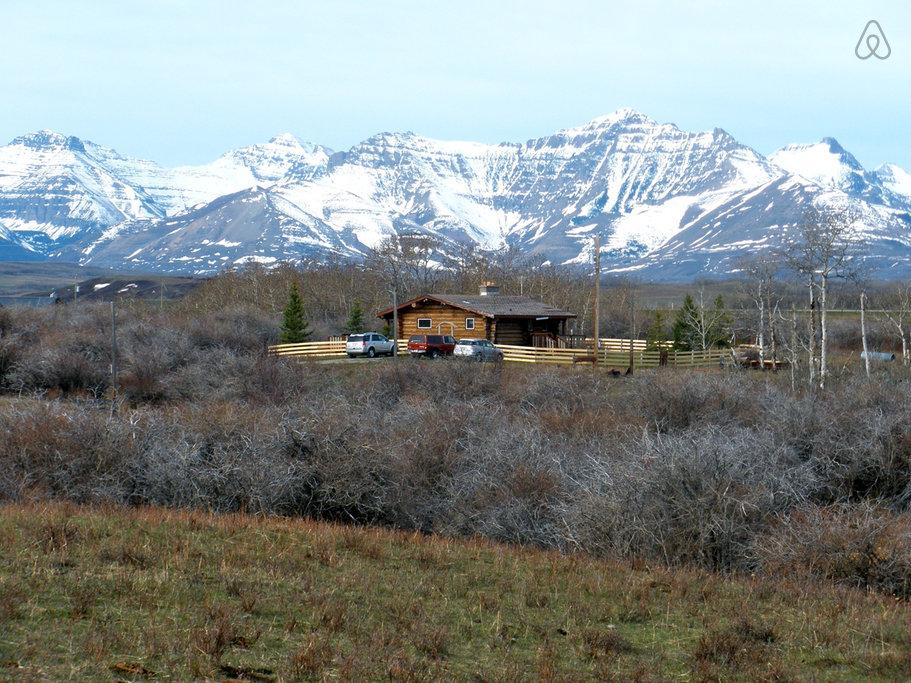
x,y
181,82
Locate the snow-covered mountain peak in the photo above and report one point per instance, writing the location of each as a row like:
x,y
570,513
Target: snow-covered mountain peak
x,y
56,189
628,128
895,179
290,144
826,162
836,148
390,139
660,197
607,125
830,166
286,140
264,162
624,116
724,138
49,140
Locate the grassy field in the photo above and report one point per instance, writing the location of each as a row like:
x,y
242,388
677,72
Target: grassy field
x,y
108,594
32,276
36,279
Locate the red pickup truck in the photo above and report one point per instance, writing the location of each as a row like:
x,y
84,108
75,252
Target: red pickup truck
x,y
431,345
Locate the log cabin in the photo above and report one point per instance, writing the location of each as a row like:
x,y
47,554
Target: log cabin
x,y
502,319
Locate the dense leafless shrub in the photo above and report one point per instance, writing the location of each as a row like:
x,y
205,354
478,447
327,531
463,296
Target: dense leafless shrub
x,y
729,649
149,354
676,401
77,364
9,353
277,380
698,496
161,356
860,545
214,374
722,470
857,439
243,330
6,322
64,451
507,483
550,388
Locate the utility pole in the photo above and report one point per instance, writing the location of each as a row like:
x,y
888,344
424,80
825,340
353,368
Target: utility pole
x,y
793,362
596,324
161,295
75,292
632,327
863,331
395,323
113,346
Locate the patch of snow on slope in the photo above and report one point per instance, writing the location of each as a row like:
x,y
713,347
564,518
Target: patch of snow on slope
x,y
345,200
256,258
651,225
821,163
896,179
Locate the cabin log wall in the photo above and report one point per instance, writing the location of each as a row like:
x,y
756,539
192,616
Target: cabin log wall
x,y
447,319
444,320
515,332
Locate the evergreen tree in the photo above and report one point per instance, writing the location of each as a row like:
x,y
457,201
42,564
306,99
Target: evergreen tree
x,y
698,326
721,324
683,325
294,324
355,322
656,332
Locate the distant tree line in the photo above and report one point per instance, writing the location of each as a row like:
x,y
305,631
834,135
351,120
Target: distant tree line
x,y
780,302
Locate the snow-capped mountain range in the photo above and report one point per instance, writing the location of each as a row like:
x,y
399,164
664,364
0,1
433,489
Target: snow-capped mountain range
x,y
666,203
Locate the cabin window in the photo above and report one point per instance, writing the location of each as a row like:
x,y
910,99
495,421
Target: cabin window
x,y
425,323
469,323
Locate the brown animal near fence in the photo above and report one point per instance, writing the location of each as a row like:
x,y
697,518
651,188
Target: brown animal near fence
x,y
591,358
749,356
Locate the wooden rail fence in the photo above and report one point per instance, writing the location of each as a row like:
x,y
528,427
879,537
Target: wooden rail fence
x,y
615,356
614,353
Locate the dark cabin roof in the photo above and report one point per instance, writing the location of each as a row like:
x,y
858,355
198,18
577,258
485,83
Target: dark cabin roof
x,y
490,306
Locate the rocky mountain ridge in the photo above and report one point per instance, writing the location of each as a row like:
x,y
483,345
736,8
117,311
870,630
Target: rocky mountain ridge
x,y
666,203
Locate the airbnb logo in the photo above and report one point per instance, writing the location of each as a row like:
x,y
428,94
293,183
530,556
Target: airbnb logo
x,y
872,42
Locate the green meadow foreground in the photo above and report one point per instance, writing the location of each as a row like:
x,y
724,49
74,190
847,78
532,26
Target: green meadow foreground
x,y
148,594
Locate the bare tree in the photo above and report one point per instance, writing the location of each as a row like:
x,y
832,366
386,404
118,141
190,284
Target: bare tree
x,y
859,275
825,249
793,349
700,326
409,261
759,285
897,311
863,330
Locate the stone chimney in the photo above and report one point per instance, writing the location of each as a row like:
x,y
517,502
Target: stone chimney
x,y
489,289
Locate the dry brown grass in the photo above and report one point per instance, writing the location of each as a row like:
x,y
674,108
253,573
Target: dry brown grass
x,y
235,596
